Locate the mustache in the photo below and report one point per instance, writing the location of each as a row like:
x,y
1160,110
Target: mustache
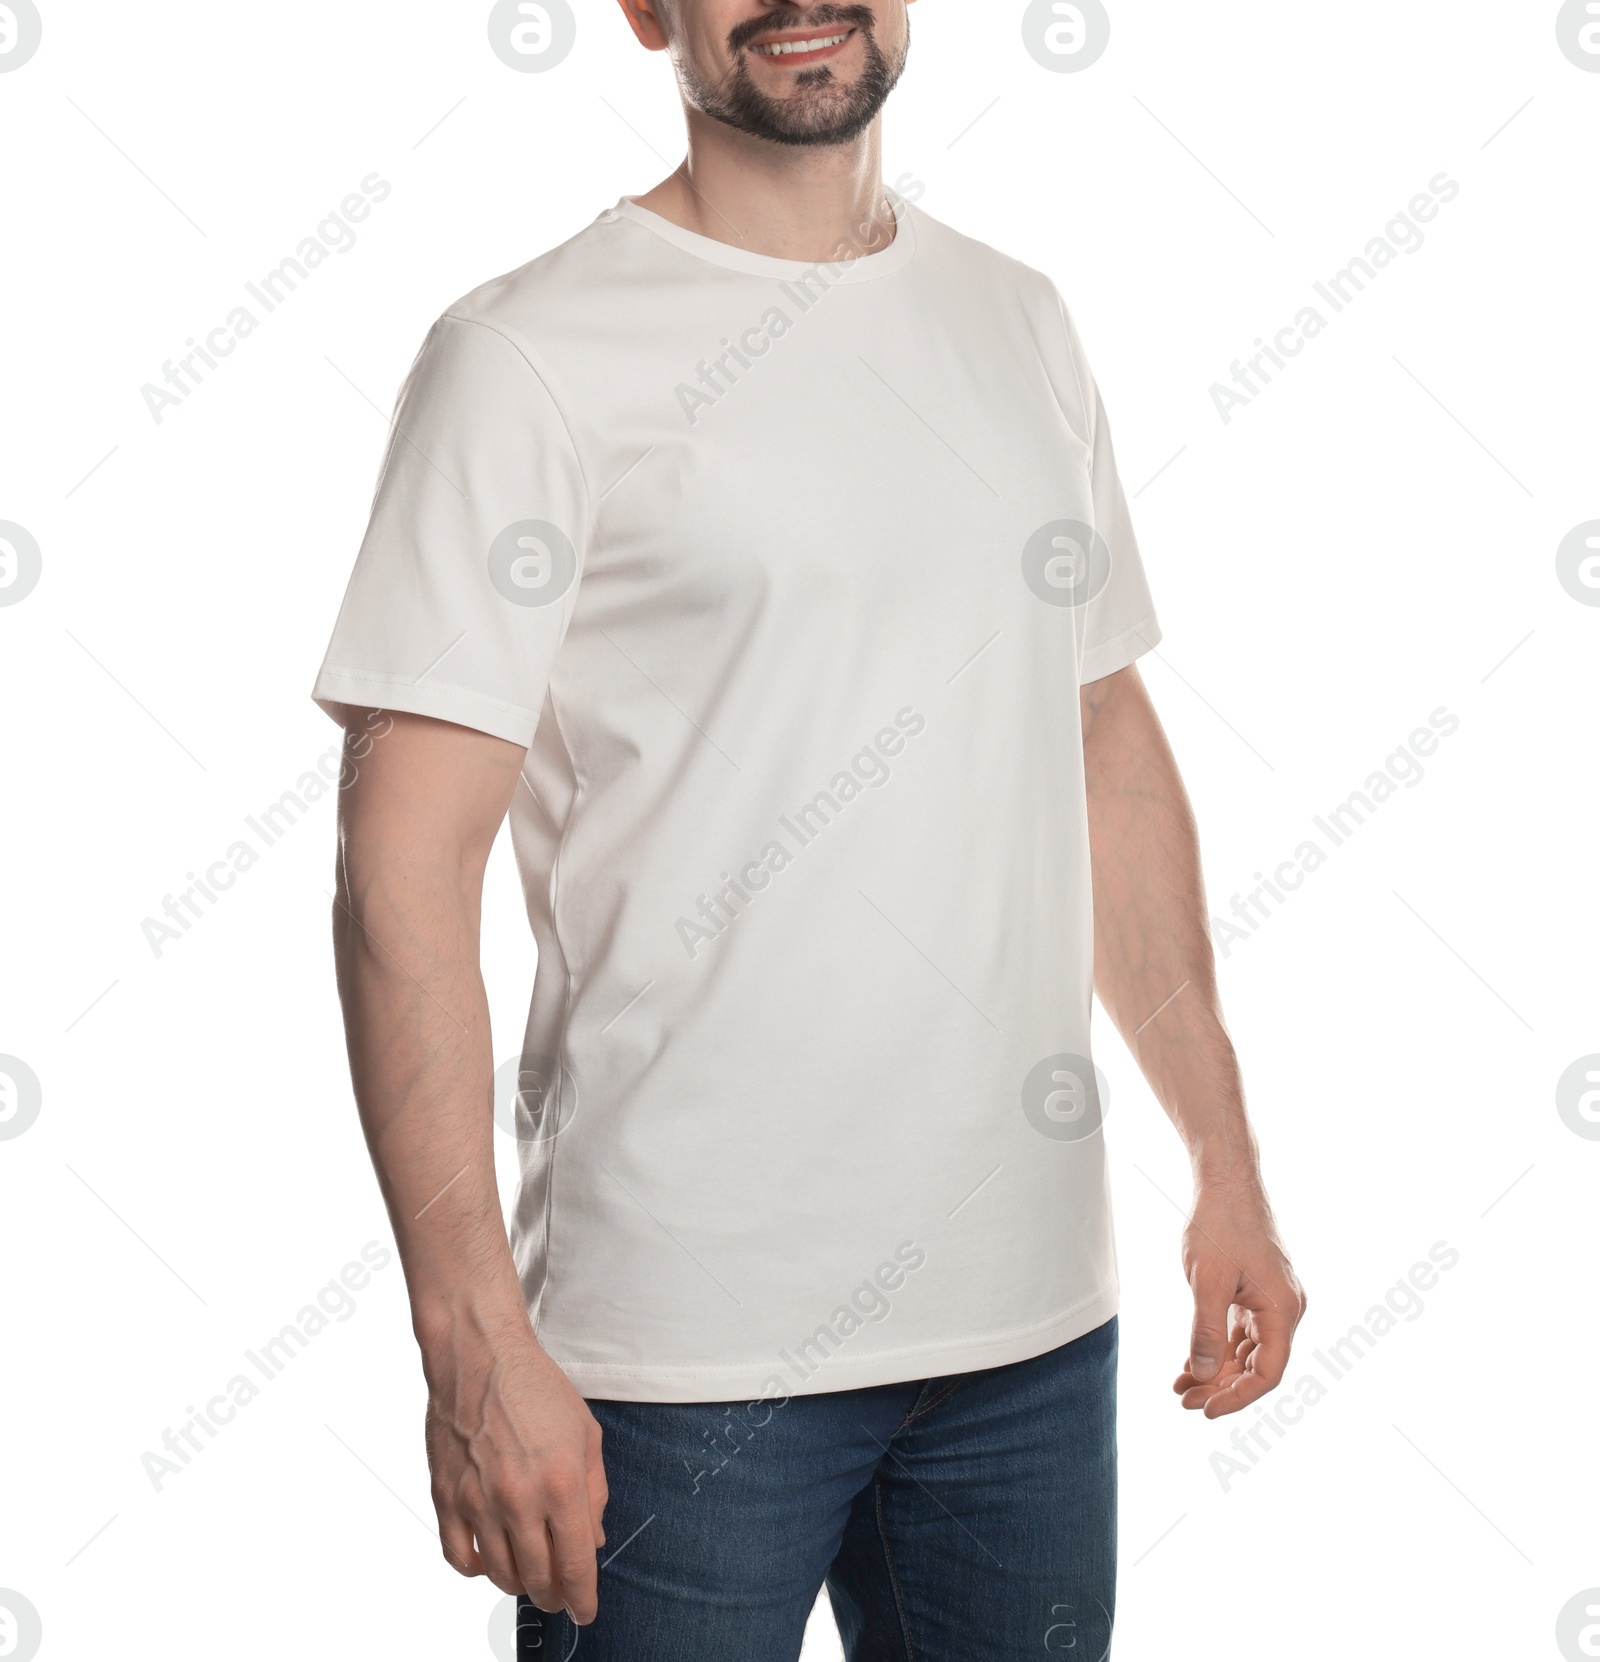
x,y
777,22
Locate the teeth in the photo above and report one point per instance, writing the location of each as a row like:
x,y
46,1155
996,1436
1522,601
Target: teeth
x,y
788,48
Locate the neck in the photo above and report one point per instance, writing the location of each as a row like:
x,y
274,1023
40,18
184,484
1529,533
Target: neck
x,y
785,202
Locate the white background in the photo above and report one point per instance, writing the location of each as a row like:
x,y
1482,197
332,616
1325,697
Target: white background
x,y
1373,538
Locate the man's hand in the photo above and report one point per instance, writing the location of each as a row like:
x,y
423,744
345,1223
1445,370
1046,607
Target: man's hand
x,y
515,1457
1247,1302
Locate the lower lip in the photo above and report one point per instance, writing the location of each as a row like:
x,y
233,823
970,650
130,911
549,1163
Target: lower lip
x,y
804,60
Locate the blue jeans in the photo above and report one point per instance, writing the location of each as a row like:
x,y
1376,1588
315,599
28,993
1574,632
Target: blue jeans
x,y
970,1518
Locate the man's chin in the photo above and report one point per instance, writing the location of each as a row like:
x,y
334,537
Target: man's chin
x,y
803,122
817,137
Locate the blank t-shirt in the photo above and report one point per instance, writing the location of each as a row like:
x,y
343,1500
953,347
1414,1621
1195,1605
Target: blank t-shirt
x,y
787,576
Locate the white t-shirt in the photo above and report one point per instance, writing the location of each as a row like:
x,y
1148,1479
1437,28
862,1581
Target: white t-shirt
x,y
788,577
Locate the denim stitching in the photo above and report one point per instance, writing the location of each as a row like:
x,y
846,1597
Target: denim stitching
x,y
894,1583
919,1408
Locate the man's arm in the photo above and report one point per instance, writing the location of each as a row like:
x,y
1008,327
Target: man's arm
x,y
513,1449
1156,977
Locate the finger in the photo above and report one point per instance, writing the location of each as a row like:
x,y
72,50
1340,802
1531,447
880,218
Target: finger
x,y
536,1572
1186,1381
1215,1283
1274,1331
1197,1396
460,1552
1194,1392
572,1550
500,1561
1239,1393
599,1490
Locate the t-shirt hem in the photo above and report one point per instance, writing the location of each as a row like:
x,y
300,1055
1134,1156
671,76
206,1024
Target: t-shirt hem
x,y
751,1381
426,698
1120,651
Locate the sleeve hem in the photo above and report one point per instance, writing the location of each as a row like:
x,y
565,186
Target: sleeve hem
x,y
443,703
1108,657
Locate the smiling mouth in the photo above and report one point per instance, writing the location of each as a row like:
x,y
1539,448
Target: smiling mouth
x,y
801,49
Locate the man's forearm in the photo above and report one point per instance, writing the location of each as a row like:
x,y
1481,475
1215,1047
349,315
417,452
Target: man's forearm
x,y
417,1026
1153,962
416,824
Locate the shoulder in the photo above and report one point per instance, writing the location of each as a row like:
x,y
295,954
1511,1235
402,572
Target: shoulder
x,y
548,294
1000,281
1002,274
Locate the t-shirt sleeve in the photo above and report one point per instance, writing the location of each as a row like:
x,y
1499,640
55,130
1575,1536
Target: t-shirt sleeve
x,y
468,572
1119,620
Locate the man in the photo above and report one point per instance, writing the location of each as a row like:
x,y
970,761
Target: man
x,y
761,551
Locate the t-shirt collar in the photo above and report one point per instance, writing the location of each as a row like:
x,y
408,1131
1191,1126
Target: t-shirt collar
x,y
861,269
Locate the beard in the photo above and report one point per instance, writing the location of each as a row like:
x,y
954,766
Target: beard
x,y
822,110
